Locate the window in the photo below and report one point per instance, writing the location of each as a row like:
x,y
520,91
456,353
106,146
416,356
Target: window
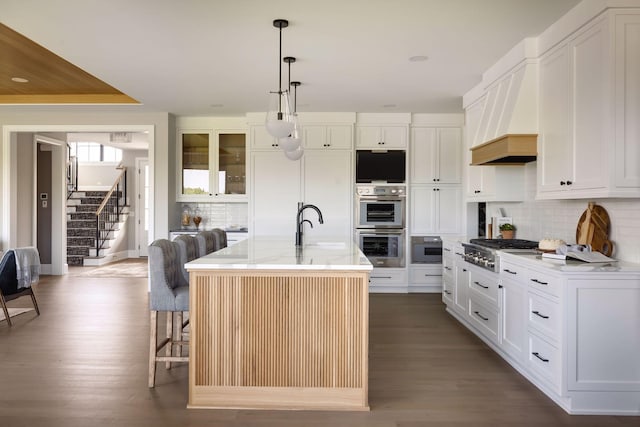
x,y
93,152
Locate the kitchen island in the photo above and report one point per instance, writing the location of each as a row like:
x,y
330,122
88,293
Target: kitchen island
x,y
275,326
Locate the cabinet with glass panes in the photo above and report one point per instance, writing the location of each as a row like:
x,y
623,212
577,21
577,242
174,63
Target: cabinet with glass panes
x,y
212,165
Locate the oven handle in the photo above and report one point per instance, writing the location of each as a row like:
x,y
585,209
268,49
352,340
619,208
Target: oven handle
x,y
382,198
387,231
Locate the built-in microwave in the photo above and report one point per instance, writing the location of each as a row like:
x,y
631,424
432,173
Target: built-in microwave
x,y
426,250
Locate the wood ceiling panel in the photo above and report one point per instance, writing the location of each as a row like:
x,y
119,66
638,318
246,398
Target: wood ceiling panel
x,y
52,79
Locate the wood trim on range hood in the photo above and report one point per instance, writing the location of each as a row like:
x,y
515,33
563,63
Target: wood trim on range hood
x,y
510,149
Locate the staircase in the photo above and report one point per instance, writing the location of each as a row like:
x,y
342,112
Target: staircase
x,y
81,228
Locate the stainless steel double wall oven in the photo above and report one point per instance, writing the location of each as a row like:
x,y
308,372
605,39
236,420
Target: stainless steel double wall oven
x,y
380,223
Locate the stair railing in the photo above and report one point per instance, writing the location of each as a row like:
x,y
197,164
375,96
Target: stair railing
x,y
111,208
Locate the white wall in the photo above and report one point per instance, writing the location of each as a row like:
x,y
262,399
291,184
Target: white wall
x,y
538,219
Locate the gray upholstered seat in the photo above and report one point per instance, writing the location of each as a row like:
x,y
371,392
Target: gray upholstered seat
x,y
211,240
207,241
222,237
188,250
169,293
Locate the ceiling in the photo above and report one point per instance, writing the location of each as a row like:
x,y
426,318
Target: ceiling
x,y
220,58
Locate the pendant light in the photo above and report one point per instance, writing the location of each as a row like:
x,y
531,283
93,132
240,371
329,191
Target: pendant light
x,y
279,121
296,153
292,141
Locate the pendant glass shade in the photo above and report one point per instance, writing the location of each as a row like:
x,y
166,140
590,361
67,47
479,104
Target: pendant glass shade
x,y
294,140
280,120
295,154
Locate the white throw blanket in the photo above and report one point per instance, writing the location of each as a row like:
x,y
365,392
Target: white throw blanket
x,y
27,266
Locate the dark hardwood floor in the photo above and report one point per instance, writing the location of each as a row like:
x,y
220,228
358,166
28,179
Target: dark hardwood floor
x,y
83,362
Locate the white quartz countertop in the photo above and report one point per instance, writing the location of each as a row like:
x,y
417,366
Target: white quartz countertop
x,y
278,253
569,265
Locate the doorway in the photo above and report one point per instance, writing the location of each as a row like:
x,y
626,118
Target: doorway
x,y
142,206
17,229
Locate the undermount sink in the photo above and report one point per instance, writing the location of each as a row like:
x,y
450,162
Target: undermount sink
x,y
327,245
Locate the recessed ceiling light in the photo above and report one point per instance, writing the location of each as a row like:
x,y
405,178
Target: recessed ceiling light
x,y
19,80
418,58
389,105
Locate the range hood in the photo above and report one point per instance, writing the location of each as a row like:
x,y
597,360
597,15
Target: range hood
x,y
509,149
507,130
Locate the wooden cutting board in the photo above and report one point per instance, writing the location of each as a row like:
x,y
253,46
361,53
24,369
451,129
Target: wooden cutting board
x,y
593,229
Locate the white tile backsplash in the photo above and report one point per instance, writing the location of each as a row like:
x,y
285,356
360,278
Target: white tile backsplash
x,y
539,219
221,215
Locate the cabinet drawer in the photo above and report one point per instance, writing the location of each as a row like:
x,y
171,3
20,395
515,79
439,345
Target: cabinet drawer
x,y
544,315
544,282
512,271
485,285
544,359
485,319
427,275
387,277
447,291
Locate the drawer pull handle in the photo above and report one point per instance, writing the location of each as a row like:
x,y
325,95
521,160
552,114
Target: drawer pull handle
x,y
381,277
446,249
539,282
459,253
481,316
447,268
464,270
536,354
433,275
481,285
447,292
537,313
506,270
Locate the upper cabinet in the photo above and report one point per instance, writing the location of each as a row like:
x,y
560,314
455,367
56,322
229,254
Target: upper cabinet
x,y
589,109
436,155
327,137
212,165
381,137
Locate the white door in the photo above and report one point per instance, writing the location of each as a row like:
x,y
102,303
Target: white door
x,y
142,206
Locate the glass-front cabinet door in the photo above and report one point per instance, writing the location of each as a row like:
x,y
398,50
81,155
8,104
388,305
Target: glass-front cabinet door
x,y
232,165
212,165
196,178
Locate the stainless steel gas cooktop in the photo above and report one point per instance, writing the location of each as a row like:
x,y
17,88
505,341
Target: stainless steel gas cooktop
x,y
482,252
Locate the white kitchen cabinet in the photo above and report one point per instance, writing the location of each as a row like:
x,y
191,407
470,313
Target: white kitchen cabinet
x,y
275,192
435,209
261,139
587,113
513,339
327,183
388,280
436,155
461,298
582,329
381,137
328,137
426,278
212,165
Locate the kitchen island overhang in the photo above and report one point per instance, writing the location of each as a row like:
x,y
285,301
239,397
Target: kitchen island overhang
x,y
275,326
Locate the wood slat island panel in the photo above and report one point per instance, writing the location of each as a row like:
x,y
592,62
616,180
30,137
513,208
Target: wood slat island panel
x,y
286,339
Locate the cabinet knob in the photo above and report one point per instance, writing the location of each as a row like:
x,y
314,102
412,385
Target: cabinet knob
x,y
569,182
381,143
477,191
563,183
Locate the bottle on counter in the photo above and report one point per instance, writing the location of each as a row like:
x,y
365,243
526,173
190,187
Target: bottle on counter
x,y
186,216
